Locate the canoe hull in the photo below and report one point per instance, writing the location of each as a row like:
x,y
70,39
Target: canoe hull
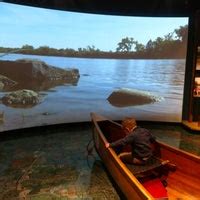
x,y
126,181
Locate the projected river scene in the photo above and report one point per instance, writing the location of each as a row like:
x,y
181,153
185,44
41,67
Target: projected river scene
x,y
58,66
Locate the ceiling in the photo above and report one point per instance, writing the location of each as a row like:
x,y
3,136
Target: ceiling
x,y
120,7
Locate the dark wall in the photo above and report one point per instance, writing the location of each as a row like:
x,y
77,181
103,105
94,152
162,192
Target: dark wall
x,y
189,71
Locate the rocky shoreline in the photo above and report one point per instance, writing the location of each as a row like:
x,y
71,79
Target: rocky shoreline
x,y
24,78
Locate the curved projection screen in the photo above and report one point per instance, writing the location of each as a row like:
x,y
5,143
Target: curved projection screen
x,y
58,66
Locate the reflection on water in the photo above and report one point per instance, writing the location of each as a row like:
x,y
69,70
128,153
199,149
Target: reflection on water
x,y
41,85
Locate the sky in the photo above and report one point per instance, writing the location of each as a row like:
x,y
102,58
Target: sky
x,y
21,25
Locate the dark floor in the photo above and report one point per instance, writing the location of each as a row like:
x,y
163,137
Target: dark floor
x,y
55,163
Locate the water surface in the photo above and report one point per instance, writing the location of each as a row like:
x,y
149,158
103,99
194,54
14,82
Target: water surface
x,y
98,79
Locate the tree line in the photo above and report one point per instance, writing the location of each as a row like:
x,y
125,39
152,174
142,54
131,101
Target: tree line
x,y
172,45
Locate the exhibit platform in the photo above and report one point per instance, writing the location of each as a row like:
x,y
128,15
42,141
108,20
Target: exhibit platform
x,y
194,126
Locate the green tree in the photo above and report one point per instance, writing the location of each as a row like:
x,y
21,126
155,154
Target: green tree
x,y
182,33
159,45
92,49
43,50
150,45
139,47
28,47
125,45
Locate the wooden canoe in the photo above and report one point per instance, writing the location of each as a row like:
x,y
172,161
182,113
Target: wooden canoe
x,y
183,183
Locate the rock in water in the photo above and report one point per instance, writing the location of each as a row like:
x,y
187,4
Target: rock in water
x,y
21,98
37,75
6,83
130,97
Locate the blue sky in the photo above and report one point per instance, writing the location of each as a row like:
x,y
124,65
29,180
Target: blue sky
x,y
22,25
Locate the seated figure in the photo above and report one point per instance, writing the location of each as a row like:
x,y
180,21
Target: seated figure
x,y
139,138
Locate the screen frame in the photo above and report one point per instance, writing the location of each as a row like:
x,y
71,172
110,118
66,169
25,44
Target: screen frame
x,y
126,9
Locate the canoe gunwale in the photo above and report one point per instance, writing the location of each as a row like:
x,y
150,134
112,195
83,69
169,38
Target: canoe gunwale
x,y
179,151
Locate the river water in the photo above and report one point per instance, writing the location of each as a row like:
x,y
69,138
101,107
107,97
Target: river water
x,y
98,79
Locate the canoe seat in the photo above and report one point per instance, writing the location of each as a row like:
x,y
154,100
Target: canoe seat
x,y
149,168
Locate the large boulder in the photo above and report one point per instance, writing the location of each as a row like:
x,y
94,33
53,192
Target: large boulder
x,y
40,70
6,83
21,98
36,74
131,97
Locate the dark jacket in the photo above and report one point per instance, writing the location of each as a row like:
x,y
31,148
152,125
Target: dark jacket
x,y
140,140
